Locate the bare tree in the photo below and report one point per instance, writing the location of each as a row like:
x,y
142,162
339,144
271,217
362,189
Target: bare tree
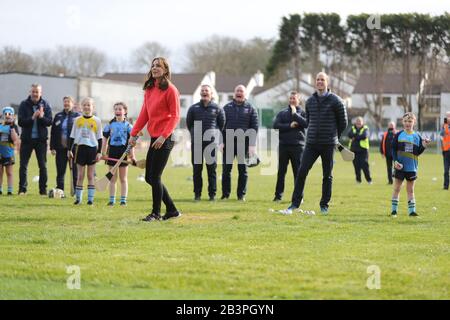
x,y
142,57
13,59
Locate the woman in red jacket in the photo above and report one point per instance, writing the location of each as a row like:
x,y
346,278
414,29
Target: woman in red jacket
x,y
161,113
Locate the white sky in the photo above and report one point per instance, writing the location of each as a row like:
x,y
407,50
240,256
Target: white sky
x,y
117,26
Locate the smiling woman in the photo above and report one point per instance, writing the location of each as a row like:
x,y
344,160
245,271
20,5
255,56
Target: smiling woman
x,y
161,113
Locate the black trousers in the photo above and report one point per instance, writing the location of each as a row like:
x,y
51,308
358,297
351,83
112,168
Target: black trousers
x,y
228,167
446,155
286,153
61,167
361,162
389,161
211,168
155,164
40,149
310,155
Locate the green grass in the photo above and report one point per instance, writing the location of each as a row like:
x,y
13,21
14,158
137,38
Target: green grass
x,y
231,250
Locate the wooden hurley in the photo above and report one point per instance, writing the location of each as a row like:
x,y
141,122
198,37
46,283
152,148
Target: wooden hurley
x,y
102,183
141,164
346,154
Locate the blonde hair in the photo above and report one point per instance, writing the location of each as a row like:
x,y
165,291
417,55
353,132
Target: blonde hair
x,y
409,115
87,100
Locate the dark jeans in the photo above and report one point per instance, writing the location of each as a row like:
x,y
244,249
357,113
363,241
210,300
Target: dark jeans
x,y
389,161
446,155
210,168
61,166
26,148
286,153
310,155
226,173
361,162
155,164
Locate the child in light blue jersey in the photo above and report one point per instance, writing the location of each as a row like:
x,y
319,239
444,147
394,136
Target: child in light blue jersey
x,y
9,139
406,148
115,140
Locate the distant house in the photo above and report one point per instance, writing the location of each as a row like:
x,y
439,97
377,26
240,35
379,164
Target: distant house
x,y
436,97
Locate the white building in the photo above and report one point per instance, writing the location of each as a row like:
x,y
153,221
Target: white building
x,y
15,87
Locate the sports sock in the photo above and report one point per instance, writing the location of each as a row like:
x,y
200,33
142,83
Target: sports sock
x,y
411,206
10,189
395,205
112,199
79,193
123,199
91,193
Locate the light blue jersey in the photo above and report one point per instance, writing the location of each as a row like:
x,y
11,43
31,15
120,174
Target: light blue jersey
x,y
118,133
406,148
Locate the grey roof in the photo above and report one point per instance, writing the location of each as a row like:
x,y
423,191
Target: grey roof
x,y
226,83
392,83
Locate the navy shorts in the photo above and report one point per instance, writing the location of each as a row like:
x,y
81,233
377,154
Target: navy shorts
x,y
7,161
402,175
85,155
116,152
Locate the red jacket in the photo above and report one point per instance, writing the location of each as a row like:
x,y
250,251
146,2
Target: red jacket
x,y
160,112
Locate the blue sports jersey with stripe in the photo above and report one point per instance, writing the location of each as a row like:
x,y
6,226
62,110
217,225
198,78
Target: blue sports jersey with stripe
x,y
118,133
406,149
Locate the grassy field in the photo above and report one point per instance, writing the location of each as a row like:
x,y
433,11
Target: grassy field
x,y
231,250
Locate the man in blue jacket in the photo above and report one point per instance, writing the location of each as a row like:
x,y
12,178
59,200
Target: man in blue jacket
x,y
202,119
59,140
327,119
35,116
291,124
239,138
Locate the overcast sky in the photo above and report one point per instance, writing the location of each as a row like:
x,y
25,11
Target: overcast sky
x,y
117,26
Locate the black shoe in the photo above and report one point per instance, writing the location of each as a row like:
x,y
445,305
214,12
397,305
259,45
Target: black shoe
x,y
110,204
90,203
413,214
198,198
1,193
77,202
394,214
171,215
276,199
152,217
123,204
43,193
445,188
224,198
10,194
212,198
241,199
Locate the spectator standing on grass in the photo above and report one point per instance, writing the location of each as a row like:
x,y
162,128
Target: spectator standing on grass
x,y
161,113
205,117
359,144
35,116
386,149
291,124
327,119
59,141
445,142
239,140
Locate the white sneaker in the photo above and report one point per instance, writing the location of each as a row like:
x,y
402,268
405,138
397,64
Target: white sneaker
x,y
286,212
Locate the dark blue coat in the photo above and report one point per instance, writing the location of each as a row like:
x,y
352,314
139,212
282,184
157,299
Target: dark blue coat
x,y
243,117
56,133
211,117
288,135
26,122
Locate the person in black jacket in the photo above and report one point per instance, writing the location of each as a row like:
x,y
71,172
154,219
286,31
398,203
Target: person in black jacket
x,y
35,115
291,123
359,144
205,117
239,139
327,119
59,139
386,149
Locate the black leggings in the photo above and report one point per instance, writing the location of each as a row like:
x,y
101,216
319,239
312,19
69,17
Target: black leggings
x,y
156,162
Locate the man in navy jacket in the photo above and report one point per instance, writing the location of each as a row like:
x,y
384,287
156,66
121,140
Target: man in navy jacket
x,y
205,117
291,124
327,119
35,116
239,139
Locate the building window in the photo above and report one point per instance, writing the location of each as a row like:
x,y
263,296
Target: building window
x,y
386,101
401,101
433,104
